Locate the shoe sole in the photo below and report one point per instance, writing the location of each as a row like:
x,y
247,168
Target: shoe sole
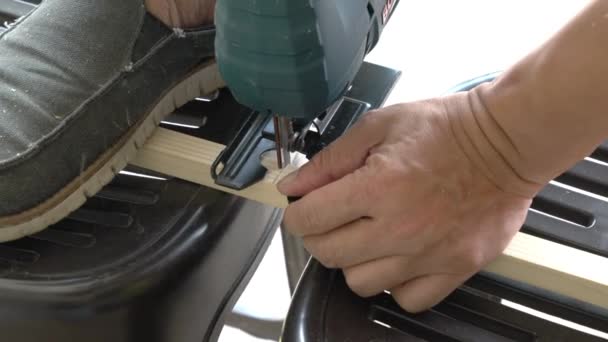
x,y
201,82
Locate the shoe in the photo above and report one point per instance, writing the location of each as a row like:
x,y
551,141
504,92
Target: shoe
x,y
83,83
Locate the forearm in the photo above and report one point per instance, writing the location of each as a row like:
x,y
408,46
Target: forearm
x,y
549,110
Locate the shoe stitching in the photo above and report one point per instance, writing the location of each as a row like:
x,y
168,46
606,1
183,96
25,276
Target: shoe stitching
x,y
65,123
51,136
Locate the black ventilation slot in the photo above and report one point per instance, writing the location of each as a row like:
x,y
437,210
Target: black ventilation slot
x,y
409,326
569,217
186,120
583,183
563,212
131,172
601,153
132,196
110,219
587,175
448,321
145,184
66,238
21,256
493,325
475,312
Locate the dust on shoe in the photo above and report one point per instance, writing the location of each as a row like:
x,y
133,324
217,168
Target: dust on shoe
x,y
85,82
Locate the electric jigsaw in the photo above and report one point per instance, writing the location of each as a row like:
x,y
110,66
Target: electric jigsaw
x,y
293,60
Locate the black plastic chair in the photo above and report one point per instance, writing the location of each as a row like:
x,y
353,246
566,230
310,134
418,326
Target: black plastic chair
x,y
146,260
324,308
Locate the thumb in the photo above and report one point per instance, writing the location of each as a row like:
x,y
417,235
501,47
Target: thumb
x,y
342,157
424,293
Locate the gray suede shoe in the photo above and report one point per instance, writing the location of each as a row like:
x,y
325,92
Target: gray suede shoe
x,y
83,83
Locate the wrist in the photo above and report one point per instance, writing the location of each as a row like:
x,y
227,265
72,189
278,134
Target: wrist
x,y
487,144
548,111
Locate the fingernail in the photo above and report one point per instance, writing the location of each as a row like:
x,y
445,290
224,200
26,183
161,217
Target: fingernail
x,y
284,184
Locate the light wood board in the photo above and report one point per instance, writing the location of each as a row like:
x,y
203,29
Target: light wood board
x,y
538,262
189,158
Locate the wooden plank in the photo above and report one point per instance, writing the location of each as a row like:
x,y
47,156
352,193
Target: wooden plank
x,y
538,262
555,267
190,158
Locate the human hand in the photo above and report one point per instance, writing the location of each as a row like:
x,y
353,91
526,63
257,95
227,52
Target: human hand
x,y
398,205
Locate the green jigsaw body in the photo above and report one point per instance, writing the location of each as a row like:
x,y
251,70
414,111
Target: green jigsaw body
x,y
295,57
